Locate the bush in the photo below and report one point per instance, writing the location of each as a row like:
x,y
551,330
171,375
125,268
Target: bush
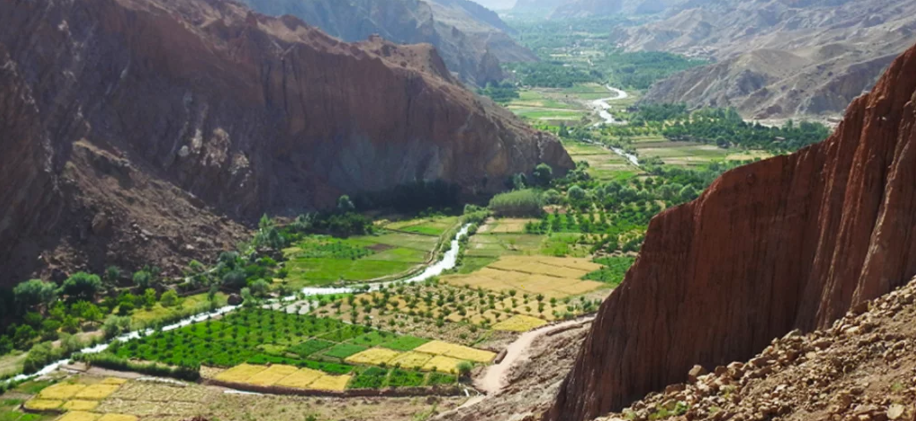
x,y
169,298
34,292
82,286
517,203
105,360
39,356
115,325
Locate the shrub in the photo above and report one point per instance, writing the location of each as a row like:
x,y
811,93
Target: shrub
x,y
106,360
517,203
82,285
169,298
34,292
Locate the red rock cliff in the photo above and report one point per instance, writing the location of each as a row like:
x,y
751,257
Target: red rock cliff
x,y
148,119
790,242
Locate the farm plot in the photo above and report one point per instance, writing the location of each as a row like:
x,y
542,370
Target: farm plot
x,y
284,375
426,226
321,260
78,398
553,277
603,164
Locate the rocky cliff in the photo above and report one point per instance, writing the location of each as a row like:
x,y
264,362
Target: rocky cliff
x,y
462,31
135,131
791,242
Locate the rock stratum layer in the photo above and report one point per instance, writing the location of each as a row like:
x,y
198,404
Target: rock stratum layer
x,y
137,130
791,242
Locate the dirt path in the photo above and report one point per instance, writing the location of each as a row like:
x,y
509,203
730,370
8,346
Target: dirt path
x,y
494,378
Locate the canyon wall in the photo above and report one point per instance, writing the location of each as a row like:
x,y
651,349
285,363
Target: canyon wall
x,y
154,126
790,242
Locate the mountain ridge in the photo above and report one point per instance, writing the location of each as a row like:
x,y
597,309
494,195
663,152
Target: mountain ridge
x,y
150,131
791,242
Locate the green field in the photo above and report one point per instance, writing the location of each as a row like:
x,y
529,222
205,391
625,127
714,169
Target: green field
x,y
690,154
320,260
258,336
191,304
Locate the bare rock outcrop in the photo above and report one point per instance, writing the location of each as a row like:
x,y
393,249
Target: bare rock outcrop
x,y
174,118
792,242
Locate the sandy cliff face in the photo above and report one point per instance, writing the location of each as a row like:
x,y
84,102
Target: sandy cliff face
x,y
790,242
146,121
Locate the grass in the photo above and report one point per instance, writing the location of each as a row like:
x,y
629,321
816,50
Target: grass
x,y
405,378
405,343
321,260
613,271
370,378
11,364
190,304
310,347
343,351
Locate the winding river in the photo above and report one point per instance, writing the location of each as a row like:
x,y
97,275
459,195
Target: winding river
x,y
603,108
448,261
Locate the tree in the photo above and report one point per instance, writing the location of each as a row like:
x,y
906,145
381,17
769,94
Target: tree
x,y
464,369
260,288
576,193
149,298
169,298
543,174
234,279
688,193
33,293
143,279
344,204
115,325
38,356
82,285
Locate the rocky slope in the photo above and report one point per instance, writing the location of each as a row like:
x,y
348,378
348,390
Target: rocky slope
x,y
776,58
792,242
466,34
135,131
564,9
862,367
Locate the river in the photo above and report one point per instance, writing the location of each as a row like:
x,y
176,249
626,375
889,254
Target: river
x,y
603,108
448,261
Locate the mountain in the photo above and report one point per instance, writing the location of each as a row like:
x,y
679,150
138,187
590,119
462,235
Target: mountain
x,y
776,58
792,242
148,131
496,4
472,39
565,9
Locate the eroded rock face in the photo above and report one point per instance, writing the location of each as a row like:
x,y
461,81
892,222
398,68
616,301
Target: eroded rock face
x,y
167,115
790,242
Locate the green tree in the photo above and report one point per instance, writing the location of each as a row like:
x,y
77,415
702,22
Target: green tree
x,y
34,293
234,279
143,279
464,369
169,298
149,298
576,193
543,174
260,288
344,204
38,356
82,285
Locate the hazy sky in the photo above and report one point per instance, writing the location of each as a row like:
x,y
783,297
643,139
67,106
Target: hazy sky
x,y
497,4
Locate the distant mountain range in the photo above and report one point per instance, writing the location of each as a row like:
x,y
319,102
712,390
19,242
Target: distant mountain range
x,y
472,39
776,58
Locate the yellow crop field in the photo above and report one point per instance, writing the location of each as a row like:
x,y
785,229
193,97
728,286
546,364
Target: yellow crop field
x,y
240,373
79,416
456,351
43,404
412,359
553,277
118,417
519,323
61,391
442,364
272,375
332,383
300,379
374,356
114,380
79,405
96,391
